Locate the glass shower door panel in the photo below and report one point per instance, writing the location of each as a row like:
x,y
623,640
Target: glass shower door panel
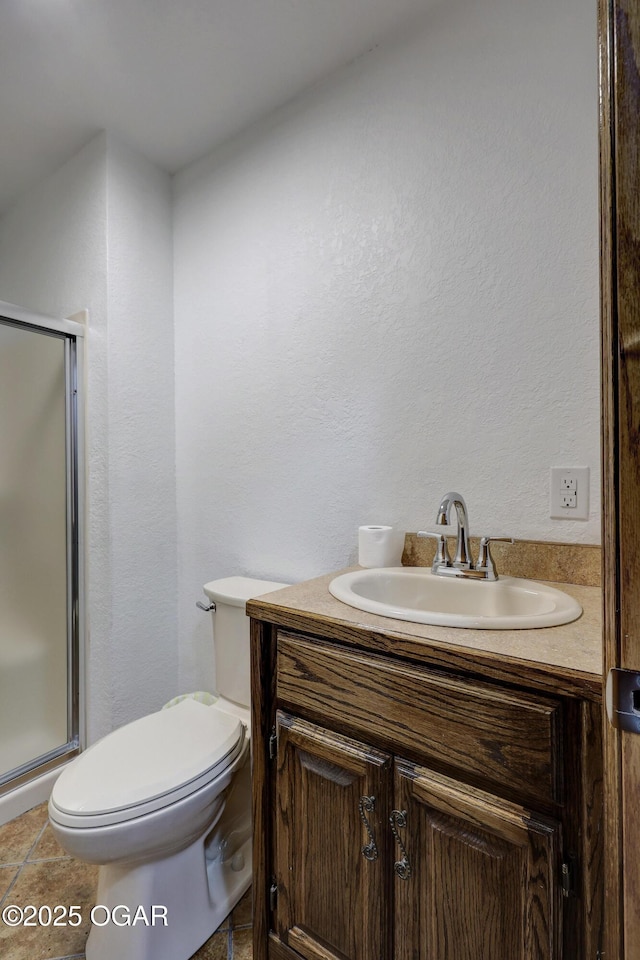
x,y
33,546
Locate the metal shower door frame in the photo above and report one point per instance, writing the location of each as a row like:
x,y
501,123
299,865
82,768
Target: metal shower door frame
x,y
73,335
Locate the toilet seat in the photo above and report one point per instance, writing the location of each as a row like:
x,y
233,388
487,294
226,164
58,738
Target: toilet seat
x,y
147,765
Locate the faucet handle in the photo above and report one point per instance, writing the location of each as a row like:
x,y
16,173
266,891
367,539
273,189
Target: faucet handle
x,y
442,557
485,560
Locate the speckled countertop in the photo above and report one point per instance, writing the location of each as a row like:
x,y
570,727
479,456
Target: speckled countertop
x,y
565,659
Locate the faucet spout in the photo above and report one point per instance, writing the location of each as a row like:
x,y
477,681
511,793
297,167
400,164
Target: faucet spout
x,y
462,564
462,559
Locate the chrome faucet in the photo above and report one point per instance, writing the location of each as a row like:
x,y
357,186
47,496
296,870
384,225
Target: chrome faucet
x,y
462,564
462,559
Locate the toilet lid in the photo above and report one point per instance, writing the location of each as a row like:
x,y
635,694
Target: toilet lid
x,y
149,758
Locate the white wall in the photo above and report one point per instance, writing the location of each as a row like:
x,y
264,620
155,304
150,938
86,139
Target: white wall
x,y
387,290
142,491
53,256
97,235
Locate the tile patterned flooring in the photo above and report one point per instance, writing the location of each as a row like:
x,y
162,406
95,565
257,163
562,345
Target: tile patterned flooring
x,y
34,869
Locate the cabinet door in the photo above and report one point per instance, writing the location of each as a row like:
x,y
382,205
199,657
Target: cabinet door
x,y
332,844
475,875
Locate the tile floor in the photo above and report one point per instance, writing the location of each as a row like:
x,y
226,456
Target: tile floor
x,y
34,869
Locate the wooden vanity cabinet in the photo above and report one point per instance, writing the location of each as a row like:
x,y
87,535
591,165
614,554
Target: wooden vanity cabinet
x,y
405,813
482,874
332,886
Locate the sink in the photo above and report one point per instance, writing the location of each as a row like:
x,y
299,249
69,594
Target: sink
x,y
416,594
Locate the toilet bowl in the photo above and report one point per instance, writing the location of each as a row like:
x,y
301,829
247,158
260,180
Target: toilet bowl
x,y
163,806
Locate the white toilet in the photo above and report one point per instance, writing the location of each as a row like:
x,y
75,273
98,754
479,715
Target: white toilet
x,y
163,805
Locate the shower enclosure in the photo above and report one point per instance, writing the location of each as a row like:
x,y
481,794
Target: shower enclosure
x,y
40,616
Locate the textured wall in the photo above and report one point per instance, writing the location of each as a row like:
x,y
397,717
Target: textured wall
x,y
53,257
97,235
387,290
142,493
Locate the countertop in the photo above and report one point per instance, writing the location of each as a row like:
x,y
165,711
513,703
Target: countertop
x,y
565,659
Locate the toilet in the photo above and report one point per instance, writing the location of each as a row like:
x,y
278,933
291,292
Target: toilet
x,y
163,806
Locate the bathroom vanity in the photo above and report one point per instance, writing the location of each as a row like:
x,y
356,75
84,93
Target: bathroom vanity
x,y
424,793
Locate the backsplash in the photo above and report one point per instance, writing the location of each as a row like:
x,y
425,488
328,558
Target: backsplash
x,y
539,560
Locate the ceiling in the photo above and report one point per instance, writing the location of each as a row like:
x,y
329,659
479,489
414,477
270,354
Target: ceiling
x,y
172,79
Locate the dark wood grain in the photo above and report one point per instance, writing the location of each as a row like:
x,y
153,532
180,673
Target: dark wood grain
x,y
620,310
627,231
332,900
263,651
354,709
591,817
482,879
279,950
565,681
495,736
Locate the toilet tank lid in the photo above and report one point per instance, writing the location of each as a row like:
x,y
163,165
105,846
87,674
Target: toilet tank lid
x,y
237,590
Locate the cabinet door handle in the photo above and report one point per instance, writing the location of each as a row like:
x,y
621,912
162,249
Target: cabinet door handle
x,y
370,851
402,867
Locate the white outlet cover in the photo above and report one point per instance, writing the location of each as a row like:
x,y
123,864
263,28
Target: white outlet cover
x,y
581,477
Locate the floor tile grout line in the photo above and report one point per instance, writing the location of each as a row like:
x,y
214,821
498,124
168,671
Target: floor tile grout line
x,y
23,864
37,840
19,866
69,956
11,886
3,900
28,863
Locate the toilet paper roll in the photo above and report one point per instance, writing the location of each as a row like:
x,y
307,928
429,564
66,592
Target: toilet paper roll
x,y
378,546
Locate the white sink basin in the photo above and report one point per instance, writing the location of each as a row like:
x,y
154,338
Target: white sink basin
x,y
415,594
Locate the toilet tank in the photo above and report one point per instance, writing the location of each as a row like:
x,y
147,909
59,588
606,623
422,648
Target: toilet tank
x,y
231,633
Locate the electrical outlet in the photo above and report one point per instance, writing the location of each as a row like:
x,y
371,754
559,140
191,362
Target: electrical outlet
x,y
569,493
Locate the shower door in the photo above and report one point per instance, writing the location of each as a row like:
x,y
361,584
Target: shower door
x,y
38,548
